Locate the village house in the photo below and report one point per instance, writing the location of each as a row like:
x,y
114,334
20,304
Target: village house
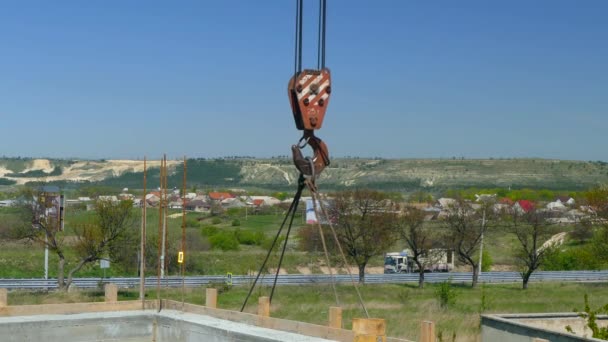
x,y
523,206
219,196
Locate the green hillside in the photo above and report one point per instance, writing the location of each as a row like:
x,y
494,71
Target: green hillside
x,y
279,173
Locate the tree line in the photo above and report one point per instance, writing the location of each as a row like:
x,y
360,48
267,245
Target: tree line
x,y
368,223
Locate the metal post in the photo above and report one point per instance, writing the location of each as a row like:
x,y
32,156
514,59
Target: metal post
x,y
46,256
142,265
163,201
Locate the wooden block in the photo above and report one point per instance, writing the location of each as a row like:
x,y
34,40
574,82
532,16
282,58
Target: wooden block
x,y
264,306
369,338
3,298
427,331
369,329
335,317
111,293
211,298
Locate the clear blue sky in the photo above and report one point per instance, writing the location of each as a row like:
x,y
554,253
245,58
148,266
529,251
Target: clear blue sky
x,y
124,79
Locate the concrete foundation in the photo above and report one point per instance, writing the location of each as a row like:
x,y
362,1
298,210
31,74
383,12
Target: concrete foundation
x,y
138,326
546,326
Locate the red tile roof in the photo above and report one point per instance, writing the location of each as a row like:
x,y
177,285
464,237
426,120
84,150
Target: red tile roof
x,y
220,196
506,200
526,205
258,202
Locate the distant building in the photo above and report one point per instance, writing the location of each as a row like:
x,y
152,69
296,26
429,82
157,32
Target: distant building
x,y
8,203
198,206
523,206
108,198
219,196
556,206
446,203
267,200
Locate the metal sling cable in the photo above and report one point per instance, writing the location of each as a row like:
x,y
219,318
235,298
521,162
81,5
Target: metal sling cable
x,y
319,37
298,52
296,200
297,47
323,33
301,9
347,266
322,30
289,211
331,273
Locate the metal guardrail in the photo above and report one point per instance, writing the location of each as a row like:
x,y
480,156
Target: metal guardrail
x,y
302,279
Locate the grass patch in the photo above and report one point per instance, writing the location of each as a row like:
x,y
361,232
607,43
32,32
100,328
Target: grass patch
x,y
403,306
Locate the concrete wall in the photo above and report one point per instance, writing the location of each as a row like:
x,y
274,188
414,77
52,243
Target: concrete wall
x,y
557,322
184,327
265,322
73,308
525,327
111,326
79,321
138,326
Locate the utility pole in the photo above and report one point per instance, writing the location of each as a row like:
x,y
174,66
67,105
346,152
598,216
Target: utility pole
x,y
487,202
483,228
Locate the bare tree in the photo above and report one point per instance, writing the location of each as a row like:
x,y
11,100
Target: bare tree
x,y
40,228
533,231
94,240
419,239
465,231
113,221
365,224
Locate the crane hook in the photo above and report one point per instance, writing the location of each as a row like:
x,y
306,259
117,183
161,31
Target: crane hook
x,y
306,165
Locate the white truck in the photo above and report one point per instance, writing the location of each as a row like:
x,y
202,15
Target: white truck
x,y
436,260
396,262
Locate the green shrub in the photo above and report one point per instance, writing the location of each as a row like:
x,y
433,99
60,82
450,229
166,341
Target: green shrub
x,y
225,241
209,231
486,261
236,223
246,237
590,316
577,258
446,294
216,220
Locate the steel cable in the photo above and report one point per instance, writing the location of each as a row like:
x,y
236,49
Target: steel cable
x,y
291,211
346,265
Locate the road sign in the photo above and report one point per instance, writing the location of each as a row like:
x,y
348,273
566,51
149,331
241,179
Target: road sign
x,y
229,278
104,263
180,257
